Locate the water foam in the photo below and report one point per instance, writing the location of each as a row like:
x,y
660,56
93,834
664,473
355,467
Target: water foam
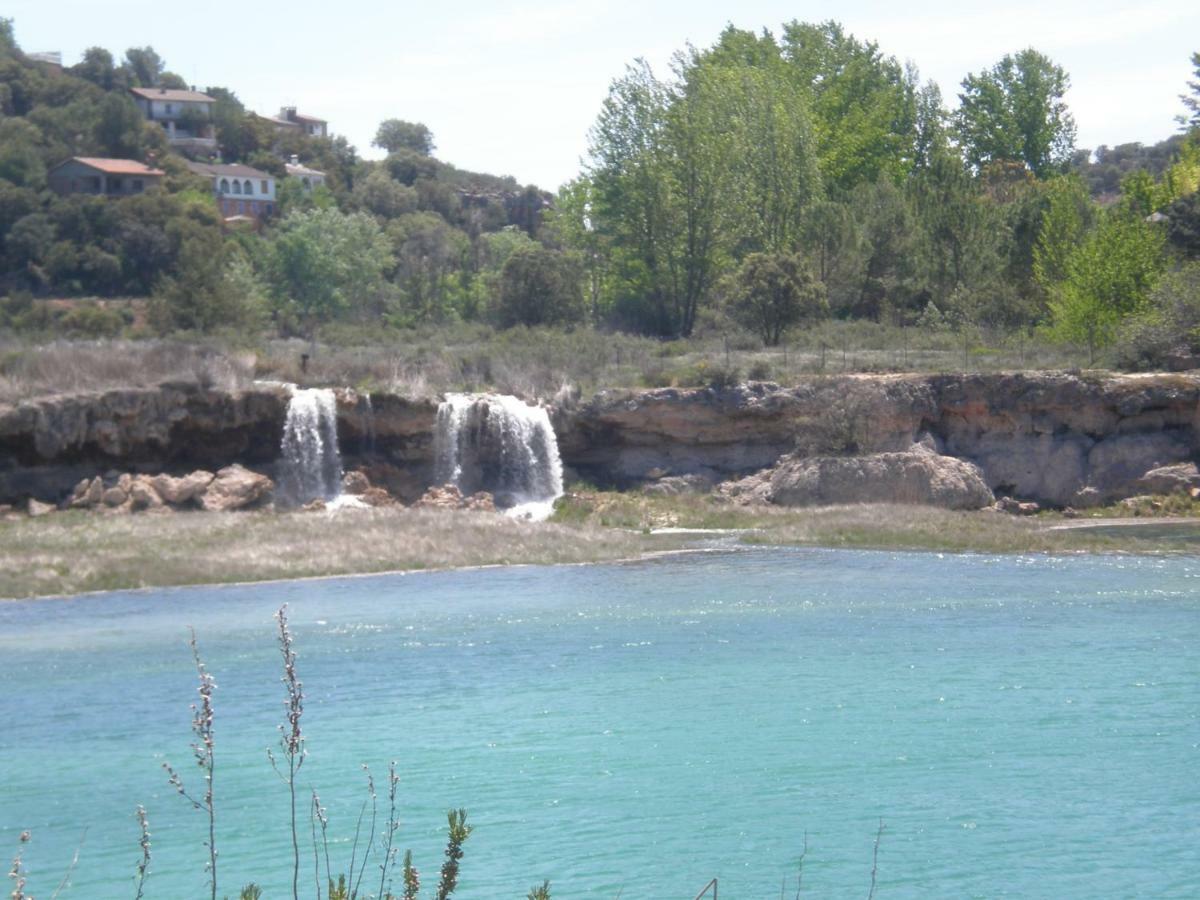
x,y
499,443
311,467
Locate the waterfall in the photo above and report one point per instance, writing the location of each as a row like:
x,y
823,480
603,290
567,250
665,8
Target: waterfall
x,y
502,445
311,468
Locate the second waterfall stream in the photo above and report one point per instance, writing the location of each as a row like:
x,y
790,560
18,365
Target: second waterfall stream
x,y
500,444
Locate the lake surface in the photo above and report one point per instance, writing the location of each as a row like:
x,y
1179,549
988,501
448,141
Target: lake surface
x,y
1024,727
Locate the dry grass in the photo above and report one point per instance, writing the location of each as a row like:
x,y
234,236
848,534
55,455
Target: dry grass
x,y
74,552
527,362
66,367
874,526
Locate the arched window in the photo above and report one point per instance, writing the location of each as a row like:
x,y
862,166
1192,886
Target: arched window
x,y
237,186
224,185
248,188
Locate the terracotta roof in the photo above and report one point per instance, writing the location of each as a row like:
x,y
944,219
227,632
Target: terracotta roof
x,y
234,170
172,94
115,166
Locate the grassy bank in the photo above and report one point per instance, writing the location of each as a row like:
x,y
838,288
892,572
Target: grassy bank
x,y
74,552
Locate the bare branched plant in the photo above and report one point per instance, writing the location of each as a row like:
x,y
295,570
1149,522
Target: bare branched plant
x,y
539,892
319,815
291,739
356,874
459,832
17,871
202,752
393,824
800,866
875,860
143,866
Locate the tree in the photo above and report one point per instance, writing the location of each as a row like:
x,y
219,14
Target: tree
x,y
1191,119
119,128
1108,277
863,103
1065,221
97,67
1015,111
773,291
144,66
396,134
323,264
539,286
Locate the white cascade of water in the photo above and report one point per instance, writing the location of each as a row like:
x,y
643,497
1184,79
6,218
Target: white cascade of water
x,y
499,444
311,468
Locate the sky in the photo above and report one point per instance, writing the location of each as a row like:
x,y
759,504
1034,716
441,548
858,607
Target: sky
x,y
511,87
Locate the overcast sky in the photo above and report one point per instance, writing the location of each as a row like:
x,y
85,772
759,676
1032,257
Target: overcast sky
x,y
512,87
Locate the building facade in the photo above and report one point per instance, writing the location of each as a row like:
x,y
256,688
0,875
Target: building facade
x,y
241,191
291,120
309,178
185,116
103,177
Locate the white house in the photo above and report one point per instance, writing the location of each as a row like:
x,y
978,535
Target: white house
x,y
186,116
240,190
308,178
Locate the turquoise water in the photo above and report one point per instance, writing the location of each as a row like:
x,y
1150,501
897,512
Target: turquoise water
x,y
1025,727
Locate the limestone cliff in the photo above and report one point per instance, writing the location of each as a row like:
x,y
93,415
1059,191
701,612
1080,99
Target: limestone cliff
x,y
1061,439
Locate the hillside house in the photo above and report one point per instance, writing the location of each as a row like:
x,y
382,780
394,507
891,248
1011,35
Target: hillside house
x,y
290,120
104,177
308,178
241,191
186,116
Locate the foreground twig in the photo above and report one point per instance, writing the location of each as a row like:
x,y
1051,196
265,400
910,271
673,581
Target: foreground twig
x,y
202,750
875,859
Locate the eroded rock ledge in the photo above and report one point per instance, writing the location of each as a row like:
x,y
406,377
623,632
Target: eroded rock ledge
x,y
1059,439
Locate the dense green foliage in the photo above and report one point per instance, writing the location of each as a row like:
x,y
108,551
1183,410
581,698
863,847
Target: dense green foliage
x,y
767,180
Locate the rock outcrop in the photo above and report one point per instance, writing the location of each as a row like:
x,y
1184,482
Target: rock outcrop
x,y
1054,438
917,476
236,487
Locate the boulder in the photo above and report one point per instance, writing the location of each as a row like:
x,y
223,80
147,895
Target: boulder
x,y
88,493
143,495
915,476
377,496
317,505
115,496
37,509
178,491
1181,478
355,482
447,496
480,501
236,487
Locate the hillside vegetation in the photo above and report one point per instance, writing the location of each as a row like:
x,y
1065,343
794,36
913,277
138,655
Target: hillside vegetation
x,y
766,184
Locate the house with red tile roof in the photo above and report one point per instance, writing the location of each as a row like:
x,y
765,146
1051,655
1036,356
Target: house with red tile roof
x,y
105,177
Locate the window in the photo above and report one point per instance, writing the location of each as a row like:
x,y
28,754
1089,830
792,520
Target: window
x,y
248,188
224,186
170,109
138,185
265,189
95,183
115,185
307,184
237,186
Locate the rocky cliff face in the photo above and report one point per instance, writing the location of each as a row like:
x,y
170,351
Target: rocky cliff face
x,y
1056,438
